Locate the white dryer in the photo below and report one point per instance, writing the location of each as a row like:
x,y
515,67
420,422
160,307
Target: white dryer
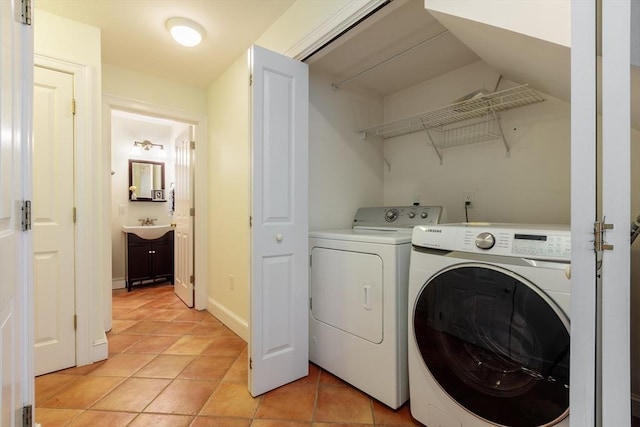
x,y
489,325
358,309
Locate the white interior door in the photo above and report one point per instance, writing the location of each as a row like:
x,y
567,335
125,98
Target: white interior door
x,y
16,85
183,199
278,326
53,223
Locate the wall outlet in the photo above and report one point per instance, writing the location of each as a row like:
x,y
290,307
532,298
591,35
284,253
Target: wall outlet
x,y
231,284
467,197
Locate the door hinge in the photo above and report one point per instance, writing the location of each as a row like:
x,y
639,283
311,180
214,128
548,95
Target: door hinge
x,y
26,215
27,416
192,144
250,79
250,363
75,322
250,221
73,107
25,12
310,304
75,214
192,279
310,261
192,211
599,228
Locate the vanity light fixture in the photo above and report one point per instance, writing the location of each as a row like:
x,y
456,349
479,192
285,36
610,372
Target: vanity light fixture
x,y
147,145
185,31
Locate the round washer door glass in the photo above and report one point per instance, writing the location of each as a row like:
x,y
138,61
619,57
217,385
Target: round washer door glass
x,y
495,344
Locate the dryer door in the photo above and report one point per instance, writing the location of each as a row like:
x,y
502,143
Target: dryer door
x,y
346,291
495,343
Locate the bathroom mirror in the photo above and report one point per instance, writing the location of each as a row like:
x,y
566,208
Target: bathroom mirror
x,y
146,181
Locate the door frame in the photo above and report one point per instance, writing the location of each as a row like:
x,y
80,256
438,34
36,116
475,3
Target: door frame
x,y
199,122
615,344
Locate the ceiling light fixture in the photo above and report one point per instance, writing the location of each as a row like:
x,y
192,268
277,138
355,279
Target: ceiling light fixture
x,y
185,31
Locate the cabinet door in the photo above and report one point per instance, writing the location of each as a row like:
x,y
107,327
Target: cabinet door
x,y
138,261
162,256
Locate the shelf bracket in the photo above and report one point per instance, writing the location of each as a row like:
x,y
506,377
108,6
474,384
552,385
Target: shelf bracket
x,y
386,162
496,117
433,144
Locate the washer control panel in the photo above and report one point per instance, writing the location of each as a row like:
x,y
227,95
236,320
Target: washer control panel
x,y
398,216
522,240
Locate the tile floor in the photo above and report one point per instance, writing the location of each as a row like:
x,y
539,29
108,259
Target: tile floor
x,y
173,366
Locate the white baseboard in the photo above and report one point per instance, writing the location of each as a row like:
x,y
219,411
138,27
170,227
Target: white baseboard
x,y
118,283
229,318
100,349
635,405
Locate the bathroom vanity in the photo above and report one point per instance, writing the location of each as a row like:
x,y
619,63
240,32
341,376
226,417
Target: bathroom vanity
x,y
148,260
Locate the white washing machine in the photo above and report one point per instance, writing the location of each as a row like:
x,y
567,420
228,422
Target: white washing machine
x,y
358,309
489,325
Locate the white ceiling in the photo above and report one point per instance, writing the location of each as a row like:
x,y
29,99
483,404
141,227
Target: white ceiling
x,y
134,35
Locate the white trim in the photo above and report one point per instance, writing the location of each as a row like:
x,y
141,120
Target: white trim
x,y
582,399
201,180
100,349
25,329
118,283
229,319
616,198
340,21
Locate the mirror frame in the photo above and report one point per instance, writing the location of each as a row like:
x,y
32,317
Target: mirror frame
x,y
156,195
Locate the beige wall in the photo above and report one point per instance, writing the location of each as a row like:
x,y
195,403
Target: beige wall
x,y
152,90
79,44
229,172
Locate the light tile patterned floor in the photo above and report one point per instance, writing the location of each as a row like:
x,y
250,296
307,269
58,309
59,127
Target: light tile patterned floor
x,y
173,366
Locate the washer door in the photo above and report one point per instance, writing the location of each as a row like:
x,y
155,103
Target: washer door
x,y
496,344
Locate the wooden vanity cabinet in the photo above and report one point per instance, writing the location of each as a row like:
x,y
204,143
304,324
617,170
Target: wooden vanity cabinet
x,y
148,259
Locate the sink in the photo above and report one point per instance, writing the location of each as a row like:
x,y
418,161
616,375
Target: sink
x,y
147,231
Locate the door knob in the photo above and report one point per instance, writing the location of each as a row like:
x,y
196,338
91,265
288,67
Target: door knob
x,y
279,237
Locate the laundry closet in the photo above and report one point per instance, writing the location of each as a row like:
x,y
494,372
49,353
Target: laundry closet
x,y
402,62
403,112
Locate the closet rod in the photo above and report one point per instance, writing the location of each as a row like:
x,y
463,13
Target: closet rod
x,y
386,61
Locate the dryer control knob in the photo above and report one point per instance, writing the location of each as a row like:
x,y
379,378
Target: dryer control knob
x,y
412,214
391,215
423,215
485,240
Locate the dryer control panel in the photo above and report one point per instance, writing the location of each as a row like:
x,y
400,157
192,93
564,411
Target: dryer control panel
x,y
522,240
395,217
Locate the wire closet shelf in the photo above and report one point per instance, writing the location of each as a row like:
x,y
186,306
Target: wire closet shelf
x,y
443,119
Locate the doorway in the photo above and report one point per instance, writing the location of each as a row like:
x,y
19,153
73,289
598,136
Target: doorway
x,y
140,117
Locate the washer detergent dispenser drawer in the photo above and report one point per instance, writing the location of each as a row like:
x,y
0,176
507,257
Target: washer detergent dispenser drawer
x,y
346,292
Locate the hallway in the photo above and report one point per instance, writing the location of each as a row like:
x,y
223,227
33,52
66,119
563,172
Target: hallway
x,y
173,366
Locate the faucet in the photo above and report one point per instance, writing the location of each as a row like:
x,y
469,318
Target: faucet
x,y
147,221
